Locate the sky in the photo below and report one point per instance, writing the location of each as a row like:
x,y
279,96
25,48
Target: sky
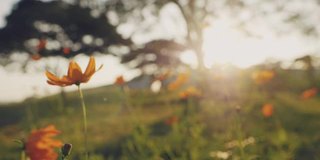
x,y
5,8
222,45
16,86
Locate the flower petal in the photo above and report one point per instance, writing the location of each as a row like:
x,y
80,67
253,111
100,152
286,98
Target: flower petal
x,y
54,83
64,81
67,81
74,71
91,68
40,144
51,76
85,79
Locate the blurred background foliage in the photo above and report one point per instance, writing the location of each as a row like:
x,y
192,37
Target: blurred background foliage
x,y
70,27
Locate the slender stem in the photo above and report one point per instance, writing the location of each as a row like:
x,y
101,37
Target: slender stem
x,y
23,155
30,116
240,137
126,102
125,99
84,123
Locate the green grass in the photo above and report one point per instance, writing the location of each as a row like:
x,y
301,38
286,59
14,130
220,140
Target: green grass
x,y
114,120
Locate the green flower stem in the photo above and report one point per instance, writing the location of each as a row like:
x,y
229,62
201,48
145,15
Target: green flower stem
x,y
30,116
125,98
126,102
240,136
23,155
84,123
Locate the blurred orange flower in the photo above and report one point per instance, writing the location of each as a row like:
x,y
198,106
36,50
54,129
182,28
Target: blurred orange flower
x,y
262,77
162,77
267,110
40,145
190,92
172,120
181,79
36,57
119,81
42,44
309,93
75,75
66,50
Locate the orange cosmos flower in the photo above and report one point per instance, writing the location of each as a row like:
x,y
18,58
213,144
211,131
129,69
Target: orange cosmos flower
x,y
119,81
36,57
181,79
309,93
262,77
40,145
267,110
75,75
190,92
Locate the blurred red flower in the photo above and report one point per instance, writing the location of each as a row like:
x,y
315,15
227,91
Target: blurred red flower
x,y
119,81
172,120
36,57
267,110
162,77
66,50
40,145
42,44
309,93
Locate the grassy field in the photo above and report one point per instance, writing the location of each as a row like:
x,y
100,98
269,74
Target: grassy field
x,y
225,122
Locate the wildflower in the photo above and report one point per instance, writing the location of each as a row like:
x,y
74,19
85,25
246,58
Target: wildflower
x,y
262,77
66,149
309,93
181,79
190,92
66,50
119,81
40,145
267,110
36,57
162,77
170,121
75,75
42,44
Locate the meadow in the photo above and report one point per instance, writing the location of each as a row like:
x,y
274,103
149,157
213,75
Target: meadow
x,y
261,113
197,80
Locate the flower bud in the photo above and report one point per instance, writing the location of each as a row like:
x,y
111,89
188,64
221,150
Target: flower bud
x,y
66,149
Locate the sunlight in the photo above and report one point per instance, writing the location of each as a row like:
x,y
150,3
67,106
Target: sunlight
x,y
223,45
189,58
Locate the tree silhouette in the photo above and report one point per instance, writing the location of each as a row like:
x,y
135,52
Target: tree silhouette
x,y
282,17
56,27
68,28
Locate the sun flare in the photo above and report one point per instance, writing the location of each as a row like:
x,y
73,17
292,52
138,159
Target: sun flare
x,y
224,44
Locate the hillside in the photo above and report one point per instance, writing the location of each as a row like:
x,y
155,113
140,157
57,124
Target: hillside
x,y
117,120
